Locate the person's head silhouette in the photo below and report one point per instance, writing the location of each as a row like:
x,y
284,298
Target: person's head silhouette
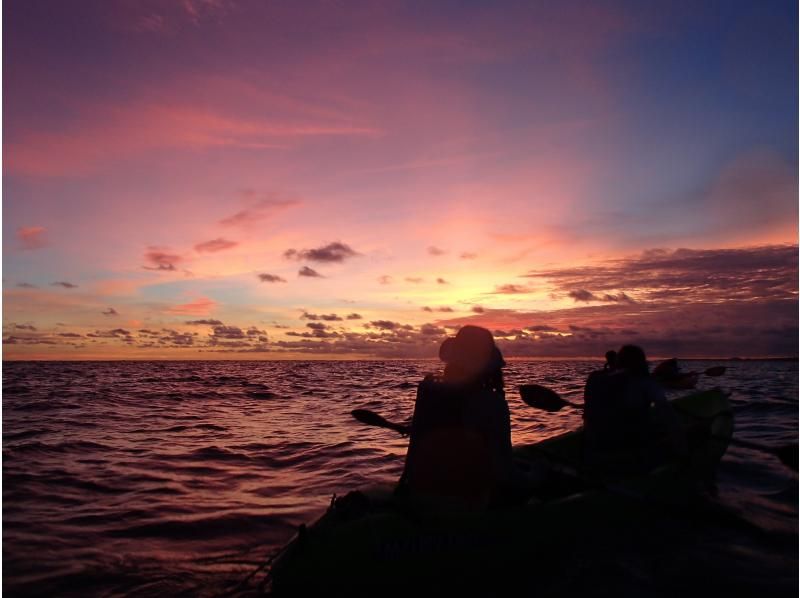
x,y
471,356
632,359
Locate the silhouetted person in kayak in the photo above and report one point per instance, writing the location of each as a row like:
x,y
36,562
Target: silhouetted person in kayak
x,y
596,385
668,369
620,434
668,373
460,446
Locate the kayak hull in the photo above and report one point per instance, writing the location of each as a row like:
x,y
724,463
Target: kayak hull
x,y
375,543
680,381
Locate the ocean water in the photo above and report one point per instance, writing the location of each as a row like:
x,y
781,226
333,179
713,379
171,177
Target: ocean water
x,y
182,478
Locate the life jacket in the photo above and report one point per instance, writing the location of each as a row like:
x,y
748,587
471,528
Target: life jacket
x,y
453,452
614,417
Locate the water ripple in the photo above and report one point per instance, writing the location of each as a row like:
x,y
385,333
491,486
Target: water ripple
x,y
174,477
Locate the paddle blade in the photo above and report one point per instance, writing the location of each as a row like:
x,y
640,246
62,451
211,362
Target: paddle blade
x,y
788,455
717,370
541,397
365,416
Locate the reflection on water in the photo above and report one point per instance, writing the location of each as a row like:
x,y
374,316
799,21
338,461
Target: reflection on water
x,y
166,477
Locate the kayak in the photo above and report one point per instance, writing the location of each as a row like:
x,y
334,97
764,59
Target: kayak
x,y
682,381
373,542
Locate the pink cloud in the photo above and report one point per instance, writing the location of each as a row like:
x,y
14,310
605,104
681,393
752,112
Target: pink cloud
x,y
215,245
169,17
203,306
160,260
343,92
31,237
149,23
199,10
103,134
259,209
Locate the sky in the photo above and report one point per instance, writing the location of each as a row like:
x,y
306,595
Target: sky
x,y
236,179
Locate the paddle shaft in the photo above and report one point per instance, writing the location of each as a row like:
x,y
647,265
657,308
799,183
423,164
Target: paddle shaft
x,y
573,405
365,416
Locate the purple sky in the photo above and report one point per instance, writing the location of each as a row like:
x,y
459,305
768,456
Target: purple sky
x,y
210,179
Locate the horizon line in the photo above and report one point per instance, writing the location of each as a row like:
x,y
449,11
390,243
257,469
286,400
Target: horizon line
x,y
515,358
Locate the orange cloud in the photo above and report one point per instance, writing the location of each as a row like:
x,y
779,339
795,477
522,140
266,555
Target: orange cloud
x,y
120,287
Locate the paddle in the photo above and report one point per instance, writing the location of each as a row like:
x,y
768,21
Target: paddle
x,y
541,397
365,416
669,369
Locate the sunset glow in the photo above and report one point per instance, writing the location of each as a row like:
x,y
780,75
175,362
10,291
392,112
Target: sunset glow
x,y
227,179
